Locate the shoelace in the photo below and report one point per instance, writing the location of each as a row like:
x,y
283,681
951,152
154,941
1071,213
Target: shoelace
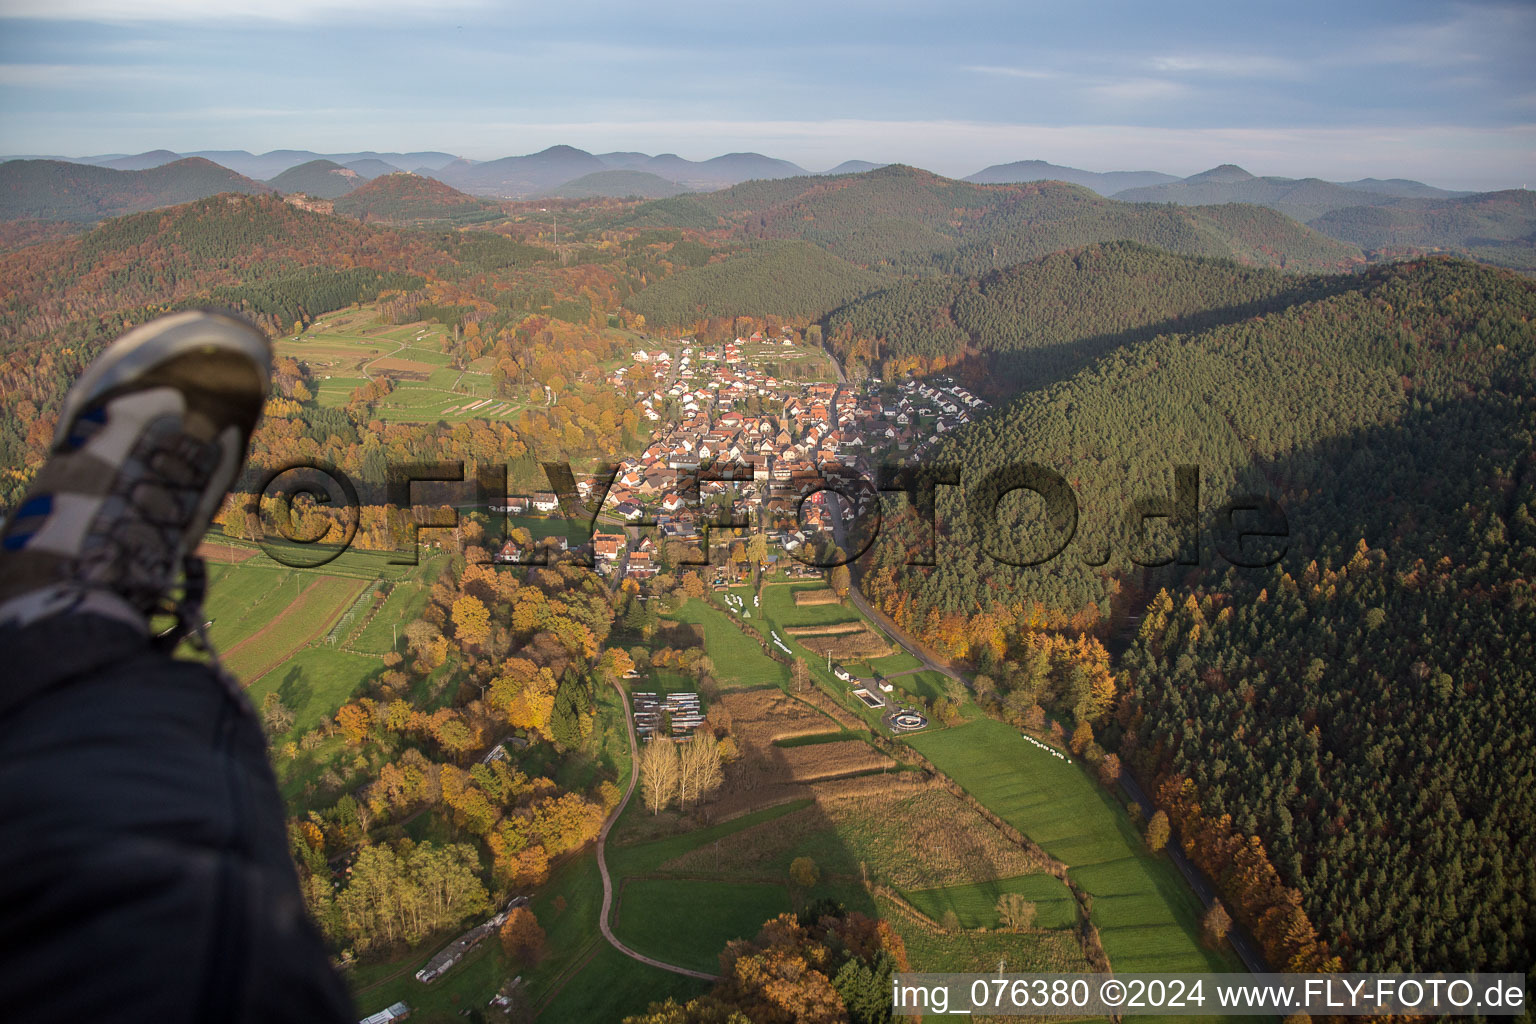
x,y
180,467
144,522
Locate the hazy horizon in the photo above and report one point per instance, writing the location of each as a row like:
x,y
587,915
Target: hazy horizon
x,y
810,165
1441,93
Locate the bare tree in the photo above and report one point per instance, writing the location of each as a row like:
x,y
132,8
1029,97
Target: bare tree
x,y
800,674
700,773
659,771
1015,912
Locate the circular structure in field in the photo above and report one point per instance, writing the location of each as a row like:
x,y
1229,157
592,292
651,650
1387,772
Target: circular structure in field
x,y
908,721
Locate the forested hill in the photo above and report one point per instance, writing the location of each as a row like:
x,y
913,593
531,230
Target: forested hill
x,y
1041,320
276,263
410,199
323,179
915,220
616,183
1499,227
161,258
1364,711
56,190
778,278
1254,403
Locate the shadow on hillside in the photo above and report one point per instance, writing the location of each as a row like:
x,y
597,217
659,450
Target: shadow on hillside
x,y
877,830
1414,488
1001,375
1448,485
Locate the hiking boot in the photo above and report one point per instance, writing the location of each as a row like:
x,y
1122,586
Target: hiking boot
x,y
149,440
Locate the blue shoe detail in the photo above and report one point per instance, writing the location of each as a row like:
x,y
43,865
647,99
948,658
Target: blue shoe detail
x,y
40,505
95,417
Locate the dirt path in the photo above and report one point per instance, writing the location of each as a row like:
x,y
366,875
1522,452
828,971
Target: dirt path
x,y
602,862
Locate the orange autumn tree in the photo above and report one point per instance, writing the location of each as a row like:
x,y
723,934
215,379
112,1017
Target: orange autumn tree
x,y
471,620
824,967
1259,898
355,720
525,694
521,937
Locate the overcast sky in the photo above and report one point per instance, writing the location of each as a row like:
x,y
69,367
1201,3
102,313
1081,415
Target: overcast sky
x,y
1441,92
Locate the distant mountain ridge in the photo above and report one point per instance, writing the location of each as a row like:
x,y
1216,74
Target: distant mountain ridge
x,y
1493,231
371,167
521,177
1302,198
909,218
853,167
716,172
1395,214
616,183
1105,183
517,177
1497,227
81,193
142,161
260,167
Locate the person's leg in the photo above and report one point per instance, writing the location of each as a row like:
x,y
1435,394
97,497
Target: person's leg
x,y
144,866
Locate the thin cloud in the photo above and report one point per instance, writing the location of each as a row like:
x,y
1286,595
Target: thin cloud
x,y
1140,90
1473,35
227,10
1246,66
63,76
1010,72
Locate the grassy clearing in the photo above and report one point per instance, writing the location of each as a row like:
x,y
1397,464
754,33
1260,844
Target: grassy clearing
x,y
909,841
611,986
1147,917
901,661
345,351
387,627
336,390
353,562
984,952
630,858
779,605
927,683
566,907
976,904
314,683
293,625
703,891
739,660
263,611
539,527
244,597
663,680
688,922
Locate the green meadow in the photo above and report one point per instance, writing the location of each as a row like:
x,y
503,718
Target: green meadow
x,y
1147,917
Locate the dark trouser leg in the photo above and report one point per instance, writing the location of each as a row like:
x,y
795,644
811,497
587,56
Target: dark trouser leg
x,y
144,867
